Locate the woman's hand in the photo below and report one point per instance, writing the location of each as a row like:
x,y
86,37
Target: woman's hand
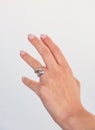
x,y
57,88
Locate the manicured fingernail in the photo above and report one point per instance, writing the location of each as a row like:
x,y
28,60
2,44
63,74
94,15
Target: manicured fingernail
x,y
22,53
31,36
23,78
43,36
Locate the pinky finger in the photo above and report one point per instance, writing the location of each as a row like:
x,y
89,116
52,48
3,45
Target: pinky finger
x,y
31,84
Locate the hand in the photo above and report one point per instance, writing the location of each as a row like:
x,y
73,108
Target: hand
x,y
57,88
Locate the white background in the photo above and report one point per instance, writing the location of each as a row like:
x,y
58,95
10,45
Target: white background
x,y
71,24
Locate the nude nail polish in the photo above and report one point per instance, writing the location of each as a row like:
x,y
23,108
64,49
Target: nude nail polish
x,y
43,36
22,53
31,36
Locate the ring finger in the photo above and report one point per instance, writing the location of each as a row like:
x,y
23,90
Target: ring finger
x,y
30,60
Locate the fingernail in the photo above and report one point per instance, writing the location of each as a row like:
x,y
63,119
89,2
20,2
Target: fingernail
x,y
31,36
23,78
43,36
22,53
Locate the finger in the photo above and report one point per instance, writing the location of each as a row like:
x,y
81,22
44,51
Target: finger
x,y
30,60
56,52
43,51
31,84
78,82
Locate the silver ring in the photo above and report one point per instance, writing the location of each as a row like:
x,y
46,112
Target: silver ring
x,y
39,71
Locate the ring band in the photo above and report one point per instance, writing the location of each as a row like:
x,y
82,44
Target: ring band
x,y
39,71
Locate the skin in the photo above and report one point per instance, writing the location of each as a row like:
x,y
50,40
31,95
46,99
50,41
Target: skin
x,y
57,88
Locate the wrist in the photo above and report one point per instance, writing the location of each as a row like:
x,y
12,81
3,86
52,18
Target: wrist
x,y
81,120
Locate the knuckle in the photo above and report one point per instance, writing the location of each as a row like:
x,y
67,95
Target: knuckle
x,y
29,83
56,49
78,82
45,51
42,91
